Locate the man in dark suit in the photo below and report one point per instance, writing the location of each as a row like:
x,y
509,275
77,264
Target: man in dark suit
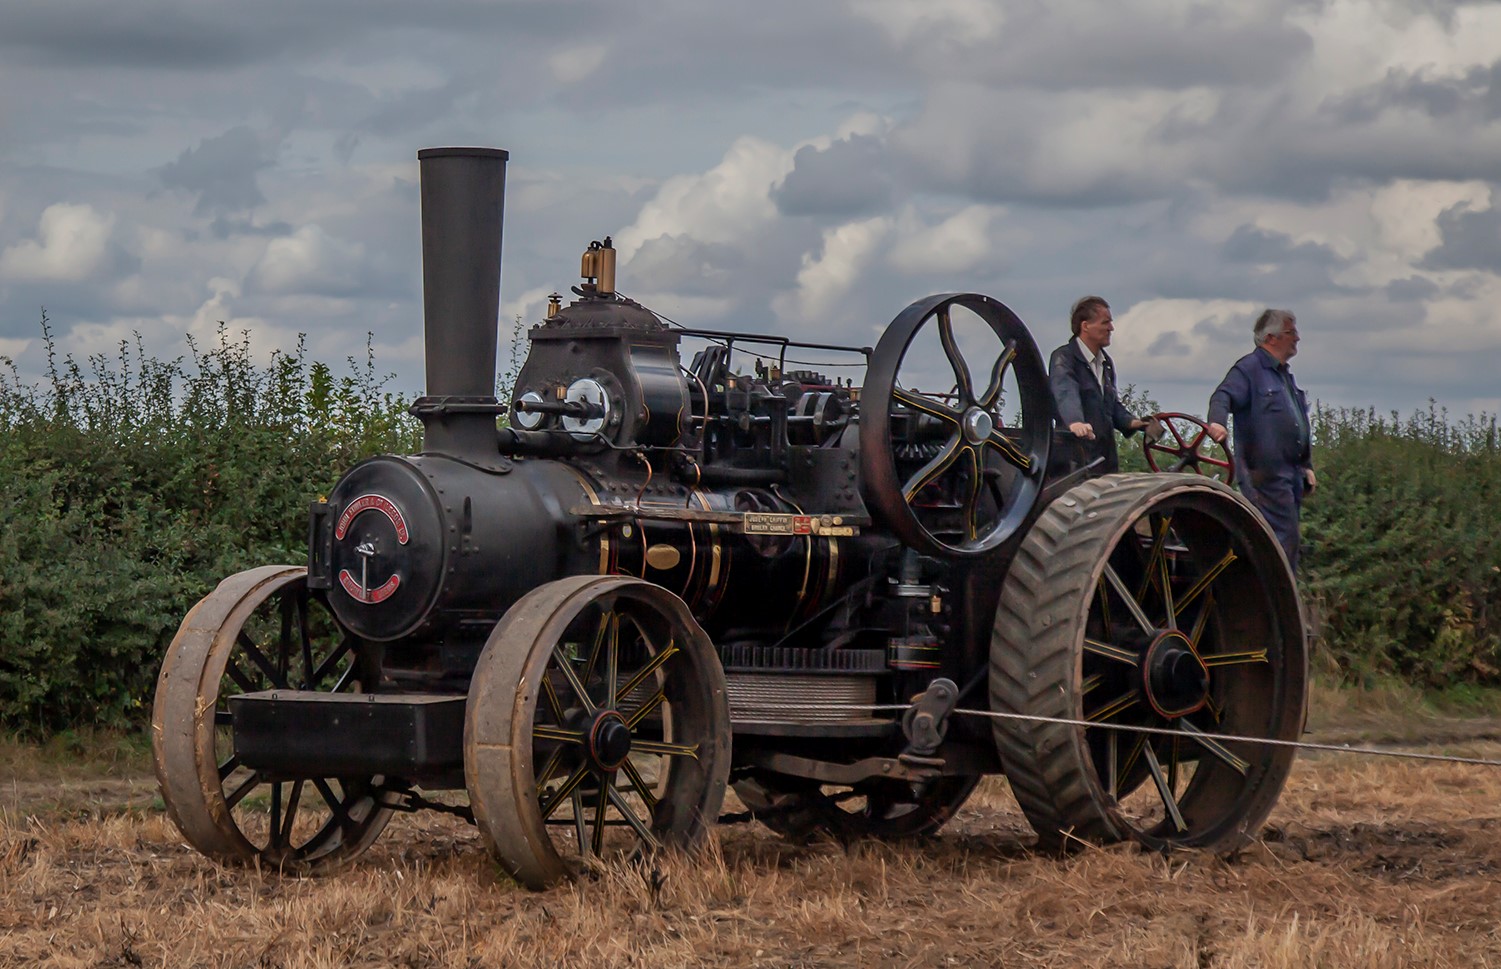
x,y
1082,378
1272,435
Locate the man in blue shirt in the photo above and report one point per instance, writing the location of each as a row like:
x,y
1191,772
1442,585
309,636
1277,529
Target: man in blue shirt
x,y
1272,434
1081,376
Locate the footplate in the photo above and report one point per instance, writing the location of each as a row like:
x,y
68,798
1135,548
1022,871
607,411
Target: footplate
x,y
298,733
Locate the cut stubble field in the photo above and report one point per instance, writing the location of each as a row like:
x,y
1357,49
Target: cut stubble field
x,y
1365,862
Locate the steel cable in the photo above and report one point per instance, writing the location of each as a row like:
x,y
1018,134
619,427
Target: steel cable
x,y
1162,731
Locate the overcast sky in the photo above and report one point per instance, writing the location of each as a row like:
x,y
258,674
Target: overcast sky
x,y
800,167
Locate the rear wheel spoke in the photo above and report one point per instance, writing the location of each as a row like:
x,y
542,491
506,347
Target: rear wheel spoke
x,y
1166,792
1219,750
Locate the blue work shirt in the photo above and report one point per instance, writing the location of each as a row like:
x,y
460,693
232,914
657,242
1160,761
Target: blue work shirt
x,y
1272,431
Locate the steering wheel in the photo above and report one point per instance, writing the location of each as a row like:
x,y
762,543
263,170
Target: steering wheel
x,y
943,470
1185,445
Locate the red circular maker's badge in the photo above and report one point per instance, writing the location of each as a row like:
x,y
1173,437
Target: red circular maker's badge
x,y
379,503
358,588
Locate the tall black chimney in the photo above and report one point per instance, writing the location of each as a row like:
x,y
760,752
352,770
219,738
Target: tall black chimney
x,y
463,206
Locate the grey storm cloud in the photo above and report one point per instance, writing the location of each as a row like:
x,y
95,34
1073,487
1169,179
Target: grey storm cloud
x,y
1249,243
222,170
850,177
1475,93
1471,239
190,35
1129,45
1412,289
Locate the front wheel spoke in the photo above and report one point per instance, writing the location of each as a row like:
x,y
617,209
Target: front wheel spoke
x,y
1238,764
580,826
275,833
337,805
664,749
1232,659
926,405
547,732
633,775
245,787
228,767
1119,705
645,709
997,375
290,816
612,663
566,668
1008,449
1132,606
605,786
1111,651
956,359
305,634
1164,789
267,668
601,634
552,698
563,793
549,767
651,667
1201,586
332,660
639,826
239,677
929,472
1090,684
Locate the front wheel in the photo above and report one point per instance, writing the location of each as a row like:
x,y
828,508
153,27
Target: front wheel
x,y
597,729
258,630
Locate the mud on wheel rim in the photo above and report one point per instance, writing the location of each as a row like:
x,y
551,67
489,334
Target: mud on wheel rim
x,y
1160,601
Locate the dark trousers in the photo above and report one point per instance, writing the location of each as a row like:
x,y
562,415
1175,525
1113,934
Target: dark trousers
x,y
1278,494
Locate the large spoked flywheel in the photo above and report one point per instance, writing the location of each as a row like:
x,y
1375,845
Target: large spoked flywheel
x,y
1157,601
954,419
597,728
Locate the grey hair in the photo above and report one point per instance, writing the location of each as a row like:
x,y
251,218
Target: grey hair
x,y
1273,323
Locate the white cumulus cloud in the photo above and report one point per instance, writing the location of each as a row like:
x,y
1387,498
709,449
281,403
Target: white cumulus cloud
x,y
846,253
956,244
310,260
71,243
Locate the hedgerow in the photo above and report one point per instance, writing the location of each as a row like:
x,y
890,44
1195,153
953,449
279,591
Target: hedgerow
x,y
129,486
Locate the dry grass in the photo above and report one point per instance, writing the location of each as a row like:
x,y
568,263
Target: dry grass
x,y
1365,863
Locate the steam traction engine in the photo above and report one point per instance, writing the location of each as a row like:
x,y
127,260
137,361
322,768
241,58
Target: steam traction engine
x,y
570,617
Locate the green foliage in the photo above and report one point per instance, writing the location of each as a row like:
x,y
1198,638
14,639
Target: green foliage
x,y
1403,544
131,485
1142,404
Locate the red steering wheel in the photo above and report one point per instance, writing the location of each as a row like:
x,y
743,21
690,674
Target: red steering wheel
x,y
1185,445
